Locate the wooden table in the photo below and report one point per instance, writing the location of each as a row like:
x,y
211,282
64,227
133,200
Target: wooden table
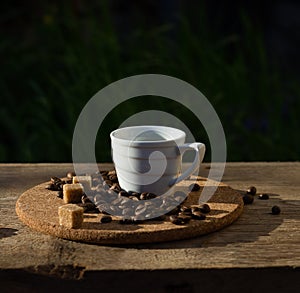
x,y
259,251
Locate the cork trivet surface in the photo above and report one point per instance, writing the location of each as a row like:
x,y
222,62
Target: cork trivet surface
x,y
38,208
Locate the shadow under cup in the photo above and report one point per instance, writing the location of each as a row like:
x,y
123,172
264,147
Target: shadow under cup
x,y
148,158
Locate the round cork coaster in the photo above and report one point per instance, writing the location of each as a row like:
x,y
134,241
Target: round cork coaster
x,y
38,208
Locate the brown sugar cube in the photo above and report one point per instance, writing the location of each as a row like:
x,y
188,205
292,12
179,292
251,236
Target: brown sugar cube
x,y
72,193
86,181
70,215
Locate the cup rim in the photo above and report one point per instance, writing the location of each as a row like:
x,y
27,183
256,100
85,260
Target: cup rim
x,y
179,134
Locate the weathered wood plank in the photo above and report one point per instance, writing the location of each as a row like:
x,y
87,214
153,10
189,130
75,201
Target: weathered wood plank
x,y
257,239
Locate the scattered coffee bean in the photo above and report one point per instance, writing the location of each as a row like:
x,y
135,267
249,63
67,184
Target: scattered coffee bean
x,y
184,217
185,209
105,219
197,215
195,209
70,174
60,194
194,187
55,179
204,208
248,199
251,190
263,196
53,187
174,219
89,206
49,186
276,210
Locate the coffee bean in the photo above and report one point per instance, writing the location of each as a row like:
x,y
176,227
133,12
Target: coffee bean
x,y
143,196
115,187
195,209
140,209
85,199
248,199
127,212
99,188
49,186
198,216
104,173
123,193
60,194
105,219
276,210
96,181
151,195
194,187
176,220
109,182
103,208
100,196
52,186
174,211
104,177
113,178
263,196
117,201
55,179
89,206
70,174
125,201
251,190
133,198
111,193
59,186
185,209
115,209
112,172
204,208
184,217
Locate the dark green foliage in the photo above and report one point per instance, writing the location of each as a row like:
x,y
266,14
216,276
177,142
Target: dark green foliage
x,y
59,60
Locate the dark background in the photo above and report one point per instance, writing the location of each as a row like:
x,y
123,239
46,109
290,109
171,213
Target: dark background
x,y
242,55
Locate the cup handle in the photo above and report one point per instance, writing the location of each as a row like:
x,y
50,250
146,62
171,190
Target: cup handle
x,y
199,148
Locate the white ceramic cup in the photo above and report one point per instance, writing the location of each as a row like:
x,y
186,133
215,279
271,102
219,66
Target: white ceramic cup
x,y
149,158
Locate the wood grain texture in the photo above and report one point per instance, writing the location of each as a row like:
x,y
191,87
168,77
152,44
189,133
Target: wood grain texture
x,y
256,240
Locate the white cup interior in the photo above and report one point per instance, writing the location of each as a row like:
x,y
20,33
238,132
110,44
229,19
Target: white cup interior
x,y
148,134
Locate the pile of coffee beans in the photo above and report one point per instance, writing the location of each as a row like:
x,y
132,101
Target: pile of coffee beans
x,y
248,198
56,184
107,197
